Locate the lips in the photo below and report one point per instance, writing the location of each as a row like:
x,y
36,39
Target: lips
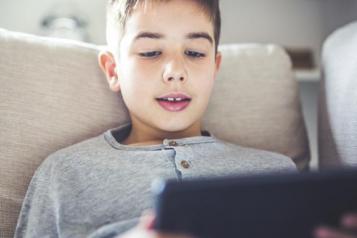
x,y
174,102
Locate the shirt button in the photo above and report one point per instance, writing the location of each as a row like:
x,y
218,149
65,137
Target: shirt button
x,y
185,164
172,143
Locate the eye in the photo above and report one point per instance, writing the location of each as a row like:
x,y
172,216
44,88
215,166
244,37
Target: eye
x,y
150,54
194,54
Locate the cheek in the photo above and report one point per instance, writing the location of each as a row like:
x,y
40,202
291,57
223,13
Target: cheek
x,y
143,71
203,79
137,81
206,89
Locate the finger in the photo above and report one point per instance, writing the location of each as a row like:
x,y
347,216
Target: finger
x,y
325,232
350,221
147,220
138,232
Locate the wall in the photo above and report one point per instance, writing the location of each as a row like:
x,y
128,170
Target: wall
x,y
26,15
288,22
293,23
338,13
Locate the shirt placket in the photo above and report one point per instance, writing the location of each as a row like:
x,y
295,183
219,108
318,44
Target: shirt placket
x,y
182,158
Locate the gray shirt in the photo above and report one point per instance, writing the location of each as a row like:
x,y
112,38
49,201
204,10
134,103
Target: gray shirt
x,y
99,187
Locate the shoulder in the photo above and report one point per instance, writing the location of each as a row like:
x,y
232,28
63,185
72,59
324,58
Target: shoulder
x,y
75,154
257,157
87,146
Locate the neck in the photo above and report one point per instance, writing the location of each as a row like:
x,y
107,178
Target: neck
x,y
141,134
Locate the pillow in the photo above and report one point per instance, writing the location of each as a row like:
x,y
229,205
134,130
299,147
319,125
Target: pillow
x,y
256,102
338,99
53,95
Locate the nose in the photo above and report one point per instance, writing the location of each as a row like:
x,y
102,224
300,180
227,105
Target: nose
x,y
175,71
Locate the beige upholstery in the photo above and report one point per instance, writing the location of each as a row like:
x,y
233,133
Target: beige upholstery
x,y
52,94
256,103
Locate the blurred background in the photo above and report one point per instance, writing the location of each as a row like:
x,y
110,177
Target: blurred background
x,y
300,26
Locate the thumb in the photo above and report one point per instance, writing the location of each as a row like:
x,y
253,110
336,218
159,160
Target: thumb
x,y
350,221
147,220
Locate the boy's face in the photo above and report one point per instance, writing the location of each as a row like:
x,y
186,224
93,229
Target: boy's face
x,y
167,53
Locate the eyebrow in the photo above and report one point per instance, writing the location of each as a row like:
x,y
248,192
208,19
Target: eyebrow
x,y
200,35
150,35
191,36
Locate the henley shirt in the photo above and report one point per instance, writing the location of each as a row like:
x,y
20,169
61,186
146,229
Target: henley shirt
x,y
100,187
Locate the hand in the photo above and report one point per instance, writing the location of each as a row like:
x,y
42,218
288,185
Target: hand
x,y
144,229
348,223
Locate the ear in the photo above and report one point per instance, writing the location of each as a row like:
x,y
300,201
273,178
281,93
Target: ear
x,y
107,63
218,60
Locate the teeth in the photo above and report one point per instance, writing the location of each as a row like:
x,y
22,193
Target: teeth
x,y
173,99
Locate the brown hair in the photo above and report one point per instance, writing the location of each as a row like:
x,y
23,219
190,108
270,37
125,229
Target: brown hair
x,y
118,12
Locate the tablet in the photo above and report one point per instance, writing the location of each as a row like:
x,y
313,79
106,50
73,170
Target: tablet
x,y
269,206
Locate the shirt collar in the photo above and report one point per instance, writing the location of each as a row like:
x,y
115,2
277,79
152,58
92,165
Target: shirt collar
x,y
116,135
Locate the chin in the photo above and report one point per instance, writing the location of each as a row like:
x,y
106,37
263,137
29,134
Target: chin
x,y
174,126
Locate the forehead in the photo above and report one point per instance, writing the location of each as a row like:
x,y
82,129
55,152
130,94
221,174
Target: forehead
x,y
151,5
180,15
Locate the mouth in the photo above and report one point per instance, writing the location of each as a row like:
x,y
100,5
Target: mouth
x,y
174,102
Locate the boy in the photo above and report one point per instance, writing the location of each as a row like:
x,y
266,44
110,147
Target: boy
x,y
163,59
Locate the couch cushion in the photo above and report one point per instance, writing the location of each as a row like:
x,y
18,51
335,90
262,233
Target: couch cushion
x,y
338,99
255,102
53,94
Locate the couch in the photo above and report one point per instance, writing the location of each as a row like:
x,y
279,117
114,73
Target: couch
x,y
53,94
337,130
